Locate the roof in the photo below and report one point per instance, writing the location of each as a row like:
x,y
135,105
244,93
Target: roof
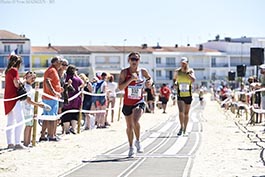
x,y
60,49
7,35
115,49
183,49
71,49
42,49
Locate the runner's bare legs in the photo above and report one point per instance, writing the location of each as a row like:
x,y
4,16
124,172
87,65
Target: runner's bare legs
x,y
186,116
181,113
133,126
137,113
129,130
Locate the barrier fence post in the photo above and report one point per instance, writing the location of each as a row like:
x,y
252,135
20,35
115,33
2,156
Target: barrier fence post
x,y
80,112
119,113
36,98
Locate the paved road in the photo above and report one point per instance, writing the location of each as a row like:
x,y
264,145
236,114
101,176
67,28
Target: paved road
x,y
166,154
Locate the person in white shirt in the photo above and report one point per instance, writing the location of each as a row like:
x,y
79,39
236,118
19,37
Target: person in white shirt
x,y
28,106
111,96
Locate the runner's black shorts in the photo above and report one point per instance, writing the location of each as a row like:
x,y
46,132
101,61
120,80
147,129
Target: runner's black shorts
x,y
127,109
187,100
164,100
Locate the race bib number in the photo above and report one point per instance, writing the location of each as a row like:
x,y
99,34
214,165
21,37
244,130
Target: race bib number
x,y
134,92
184,87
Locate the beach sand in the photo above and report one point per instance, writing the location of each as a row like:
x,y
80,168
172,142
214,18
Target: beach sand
x,y
228,145
225,150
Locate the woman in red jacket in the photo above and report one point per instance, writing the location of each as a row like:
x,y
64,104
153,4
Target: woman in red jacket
x,y
13,108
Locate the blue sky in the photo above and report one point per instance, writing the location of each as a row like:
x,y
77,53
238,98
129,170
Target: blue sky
x,y
110,22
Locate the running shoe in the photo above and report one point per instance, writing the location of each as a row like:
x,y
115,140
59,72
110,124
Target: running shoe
x,y
185,133
20,147
131,152
43,139
138,146
72,131
180,132
10,146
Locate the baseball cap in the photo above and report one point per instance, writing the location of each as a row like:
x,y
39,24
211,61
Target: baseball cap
x,y
184,60
262,66
64,60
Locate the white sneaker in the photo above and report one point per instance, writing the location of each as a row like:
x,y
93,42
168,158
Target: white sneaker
x,y
185,134
138,147
131,152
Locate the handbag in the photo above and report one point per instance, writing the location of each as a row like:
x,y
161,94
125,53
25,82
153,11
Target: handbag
x,y
22,91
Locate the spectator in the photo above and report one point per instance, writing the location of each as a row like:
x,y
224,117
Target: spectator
x,y
62,76
73,81
164,93
94,98
28,106
201,93
174,94
87,102
13,108
101,88
111,97
150,90
52,87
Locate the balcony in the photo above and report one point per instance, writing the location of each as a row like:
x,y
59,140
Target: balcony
x,y
167,65
219,65
113,65
239,63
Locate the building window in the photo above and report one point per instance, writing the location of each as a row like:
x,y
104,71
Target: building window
x,y
79,61
158,60
3,61
37,63
100,60
169,75
114,60
158,74
26,62
107,60
213,62
170,61
144,60
7,48
20,48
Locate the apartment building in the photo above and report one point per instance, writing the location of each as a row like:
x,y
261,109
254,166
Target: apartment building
x,y
237,52
211,60
10,42
76,55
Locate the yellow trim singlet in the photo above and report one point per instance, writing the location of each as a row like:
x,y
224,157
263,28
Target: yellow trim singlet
x,y
184,84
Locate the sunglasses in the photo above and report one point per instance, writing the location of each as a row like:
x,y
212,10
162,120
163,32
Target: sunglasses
x,y
134,59
30,72
65,64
